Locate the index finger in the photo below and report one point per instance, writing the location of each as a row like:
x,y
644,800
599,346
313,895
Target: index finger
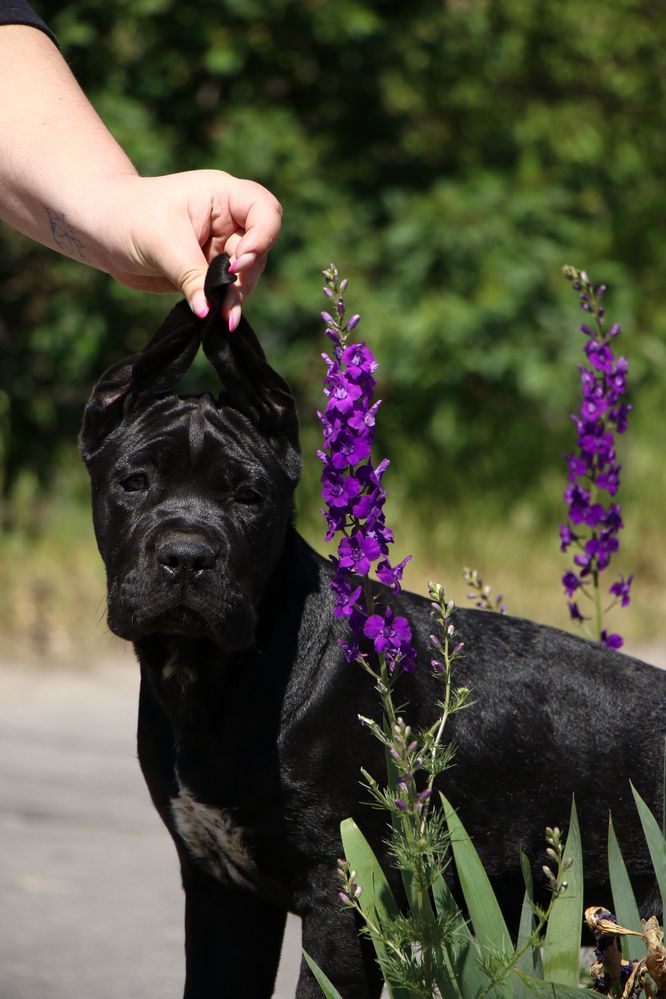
x,y
259,213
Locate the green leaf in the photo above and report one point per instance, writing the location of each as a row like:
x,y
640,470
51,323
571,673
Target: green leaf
x,y
324,983
548,990
561,952
463,955
655,841
530,962
624,901
663,813
486,916
376,899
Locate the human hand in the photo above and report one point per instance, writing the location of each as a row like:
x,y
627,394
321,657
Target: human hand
x,y
160,233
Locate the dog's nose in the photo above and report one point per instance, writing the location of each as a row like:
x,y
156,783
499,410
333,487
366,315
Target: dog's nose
x,y
185,557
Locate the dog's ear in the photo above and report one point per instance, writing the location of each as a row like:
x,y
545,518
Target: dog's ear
x,y
249,384
164,359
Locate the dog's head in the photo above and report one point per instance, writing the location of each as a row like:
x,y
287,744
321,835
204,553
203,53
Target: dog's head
x,y
191,495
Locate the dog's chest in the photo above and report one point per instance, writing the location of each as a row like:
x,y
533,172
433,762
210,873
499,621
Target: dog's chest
x,y
214,840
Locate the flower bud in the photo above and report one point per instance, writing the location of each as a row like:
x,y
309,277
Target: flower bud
x,y
353,322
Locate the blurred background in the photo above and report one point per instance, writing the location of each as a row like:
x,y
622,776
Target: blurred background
x,y
450,157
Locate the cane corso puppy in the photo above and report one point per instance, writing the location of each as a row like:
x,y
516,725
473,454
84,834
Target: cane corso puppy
x,y
248,733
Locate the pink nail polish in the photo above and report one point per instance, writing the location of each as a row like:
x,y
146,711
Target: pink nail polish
x,y
234,318
202,313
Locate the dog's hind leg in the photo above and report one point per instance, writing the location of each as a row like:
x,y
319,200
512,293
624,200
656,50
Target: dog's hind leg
x,y
232,940
331,938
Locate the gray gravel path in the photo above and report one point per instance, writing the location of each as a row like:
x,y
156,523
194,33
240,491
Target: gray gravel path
x,y
90,898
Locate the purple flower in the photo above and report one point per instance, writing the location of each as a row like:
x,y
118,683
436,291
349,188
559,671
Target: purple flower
x,y
391,575
354,495
612,641
338,489
391,636
566,536
342,393
346,594
592,522
570,582
358,552
574,611
620,589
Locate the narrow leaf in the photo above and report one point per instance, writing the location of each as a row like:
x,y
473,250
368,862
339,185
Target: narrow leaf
x,y
663,814
655,841
376,899
324,983
486,916
464,959
549,990
561,952
624,901
530,961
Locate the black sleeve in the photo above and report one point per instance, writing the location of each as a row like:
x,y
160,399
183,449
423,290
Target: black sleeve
x,y
19,12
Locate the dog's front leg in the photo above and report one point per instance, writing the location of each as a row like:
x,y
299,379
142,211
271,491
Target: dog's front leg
x,y
331,938
232,940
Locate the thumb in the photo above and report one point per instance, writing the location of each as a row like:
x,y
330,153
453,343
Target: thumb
x,y
190,280
183,262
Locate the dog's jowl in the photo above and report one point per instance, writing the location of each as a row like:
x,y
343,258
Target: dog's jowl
x,y
248,735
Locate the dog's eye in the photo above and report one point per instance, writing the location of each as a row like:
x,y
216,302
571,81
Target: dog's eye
x,y
248,496
137,483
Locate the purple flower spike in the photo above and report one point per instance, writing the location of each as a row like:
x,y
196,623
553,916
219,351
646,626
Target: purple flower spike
x,y
593,522
354,495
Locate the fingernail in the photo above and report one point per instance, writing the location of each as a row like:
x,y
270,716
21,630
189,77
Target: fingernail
x,y
241,263
234,317
199,305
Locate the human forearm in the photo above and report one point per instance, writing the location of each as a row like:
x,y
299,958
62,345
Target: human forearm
x,y
66,182
56,153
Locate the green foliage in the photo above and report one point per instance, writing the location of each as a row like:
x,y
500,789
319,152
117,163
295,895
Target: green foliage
x,y
561,952
329,990
624,901
654,837
462,153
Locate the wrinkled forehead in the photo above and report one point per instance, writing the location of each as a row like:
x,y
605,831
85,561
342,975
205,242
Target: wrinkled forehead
x,y
194,429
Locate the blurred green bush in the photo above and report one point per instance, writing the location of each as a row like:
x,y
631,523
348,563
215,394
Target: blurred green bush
x,y
450,157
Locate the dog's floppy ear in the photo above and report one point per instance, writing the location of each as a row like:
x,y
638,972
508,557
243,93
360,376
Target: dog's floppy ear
x,y
249,384
164,359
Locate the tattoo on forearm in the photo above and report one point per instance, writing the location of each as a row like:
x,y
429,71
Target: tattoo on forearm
x,y
65,236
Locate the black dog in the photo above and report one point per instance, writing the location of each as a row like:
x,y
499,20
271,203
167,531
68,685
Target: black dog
x,y
248,733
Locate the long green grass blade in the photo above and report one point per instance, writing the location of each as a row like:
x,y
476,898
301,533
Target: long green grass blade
x,y
624,901
485,913
376,899
549,990
655,841
561,952
326,986
486,916
468,977
530,961
663,799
